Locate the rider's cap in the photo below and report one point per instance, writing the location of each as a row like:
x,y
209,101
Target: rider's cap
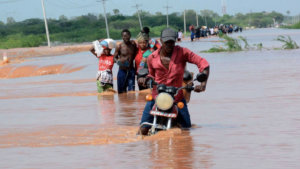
x,y
168,34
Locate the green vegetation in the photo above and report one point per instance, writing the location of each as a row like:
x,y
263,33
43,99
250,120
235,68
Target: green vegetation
x,y
20,40
215,49
295,26
259,46
234,45
288,42
86,28
259,19
247,46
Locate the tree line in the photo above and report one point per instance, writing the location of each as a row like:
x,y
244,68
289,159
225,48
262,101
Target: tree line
x,y
86,28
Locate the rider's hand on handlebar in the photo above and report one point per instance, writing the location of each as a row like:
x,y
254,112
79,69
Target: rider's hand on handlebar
x,y
200,88
142,81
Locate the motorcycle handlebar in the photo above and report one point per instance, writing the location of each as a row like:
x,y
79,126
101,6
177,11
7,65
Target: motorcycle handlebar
x,y
188,88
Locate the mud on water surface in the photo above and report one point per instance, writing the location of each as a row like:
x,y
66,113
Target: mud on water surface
x,y
28,71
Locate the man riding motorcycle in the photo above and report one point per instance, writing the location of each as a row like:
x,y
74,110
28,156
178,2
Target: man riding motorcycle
x,y
167,65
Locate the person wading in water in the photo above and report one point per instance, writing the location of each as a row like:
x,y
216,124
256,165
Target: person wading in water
x,y
143,51
106,63
124,56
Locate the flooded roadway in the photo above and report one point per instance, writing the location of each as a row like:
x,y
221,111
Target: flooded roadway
x,y
248,117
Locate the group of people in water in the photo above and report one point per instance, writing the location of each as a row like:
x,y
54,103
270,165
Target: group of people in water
x,y
166,63
203,32
129,55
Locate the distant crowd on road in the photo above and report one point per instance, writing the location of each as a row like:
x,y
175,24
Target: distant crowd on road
x,y
203,32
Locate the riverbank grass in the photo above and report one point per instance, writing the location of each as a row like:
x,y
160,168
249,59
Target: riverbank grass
x,y
288,42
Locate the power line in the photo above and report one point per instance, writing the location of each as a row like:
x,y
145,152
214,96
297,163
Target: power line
x,y
10,1
120,8
72,3
115,4
71,7
68,4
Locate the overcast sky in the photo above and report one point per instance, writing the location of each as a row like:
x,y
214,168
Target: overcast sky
x,y
25,9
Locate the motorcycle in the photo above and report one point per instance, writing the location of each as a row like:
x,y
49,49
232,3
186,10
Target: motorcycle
x,y
165,110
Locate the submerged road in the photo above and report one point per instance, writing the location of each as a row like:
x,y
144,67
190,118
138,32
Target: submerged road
x,y
248,117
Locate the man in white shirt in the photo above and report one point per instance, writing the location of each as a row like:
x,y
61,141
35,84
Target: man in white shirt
x,y
179,35
211,31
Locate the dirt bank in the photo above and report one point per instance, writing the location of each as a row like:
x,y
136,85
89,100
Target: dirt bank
x,y
24,53
9,72
19,55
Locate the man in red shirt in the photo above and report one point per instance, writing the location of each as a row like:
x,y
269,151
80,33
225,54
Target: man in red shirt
x,y
167,65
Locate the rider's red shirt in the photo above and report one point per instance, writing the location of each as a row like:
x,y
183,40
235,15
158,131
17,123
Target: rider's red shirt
x,y
173,76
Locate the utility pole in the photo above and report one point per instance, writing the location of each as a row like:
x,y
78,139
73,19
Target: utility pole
x,y
103,1
137,8
205,21
223,7
197,19
215,20
294,19
184,22
167,13
46,24
250,19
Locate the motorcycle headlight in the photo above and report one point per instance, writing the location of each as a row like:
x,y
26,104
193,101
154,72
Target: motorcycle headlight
x,y
164,101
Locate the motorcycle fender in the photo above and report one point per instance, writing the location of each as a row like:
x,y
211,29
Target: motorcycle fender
x,y
165,114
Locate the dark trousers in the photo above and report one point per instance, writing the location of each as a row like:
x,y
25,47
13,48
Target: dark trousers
x,y
126,80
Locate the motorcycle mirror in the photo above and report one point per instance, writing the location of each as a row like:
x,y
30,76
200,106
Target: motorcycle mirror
x,y
187,76
143,72
201,77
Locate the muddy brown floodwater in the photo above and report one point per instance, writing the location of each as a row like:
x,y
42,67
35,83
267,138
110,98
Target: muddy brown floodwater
x,y
248,117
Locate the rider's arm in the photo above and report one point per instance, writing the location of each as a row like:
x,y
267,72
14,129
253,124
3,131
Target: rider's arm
x,y
195,59
202,87
206,71
202,65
